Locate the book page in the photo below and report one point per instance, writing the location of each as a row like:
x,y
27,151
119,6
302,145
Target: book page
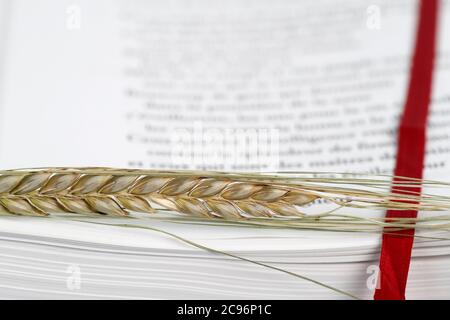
x,y
251,86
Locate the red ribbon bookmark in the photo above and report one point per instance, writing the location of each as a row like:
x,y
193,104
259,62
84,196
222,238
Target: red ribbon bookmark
x,y
396,249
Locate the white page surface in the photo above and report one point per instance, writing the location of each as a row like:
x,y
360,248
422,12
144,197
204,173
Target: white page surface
x,y
314,87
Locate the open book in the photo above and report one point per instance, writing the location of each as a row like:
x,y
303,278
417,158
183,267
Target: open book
x,y
211,85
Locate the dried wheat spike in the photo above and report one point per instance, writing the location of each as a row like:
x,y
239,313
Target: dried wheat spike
x,y
119,191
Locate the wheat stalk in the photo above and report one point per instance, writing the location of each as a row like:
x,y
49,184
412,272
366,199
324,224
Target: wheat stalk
x,y
231,196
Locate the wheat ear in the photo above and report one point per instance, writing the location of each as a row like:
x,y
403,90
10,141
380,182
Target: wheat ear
x,y
116,192
204,194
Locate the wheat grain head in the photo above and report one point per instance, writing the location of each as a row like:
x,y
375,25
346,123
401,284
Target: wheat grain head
x,y
39,192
